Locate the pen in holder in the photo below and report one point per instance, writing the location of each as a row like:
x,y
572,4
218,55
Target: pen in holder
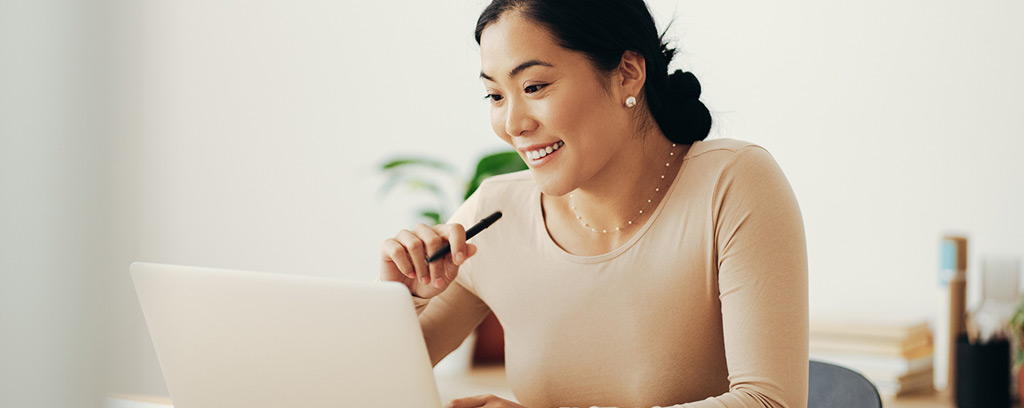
x,y
982,373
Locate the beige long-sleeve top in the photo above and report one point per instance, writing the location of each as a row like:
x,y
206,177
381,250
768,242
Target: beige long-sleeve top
x,y
706,306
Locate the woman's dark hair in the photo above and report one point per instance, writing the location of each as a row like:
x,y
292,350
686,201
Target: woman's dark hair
x,y
605,29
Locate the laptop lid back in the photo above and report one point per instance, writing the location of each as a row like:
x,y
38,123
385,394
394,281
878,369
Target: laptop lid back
x,y
248,339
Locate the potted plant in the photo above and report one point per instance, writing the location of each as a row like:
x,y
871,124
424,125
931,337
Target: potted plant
x,y
423,174
1017,337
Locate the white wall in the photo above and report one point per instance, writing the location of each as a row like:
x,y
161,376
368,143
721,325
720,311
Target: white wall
x,y
247,135
57,230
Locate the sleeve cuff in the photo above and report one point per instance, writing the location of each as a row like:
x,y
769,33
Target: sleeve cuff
x,y
419,303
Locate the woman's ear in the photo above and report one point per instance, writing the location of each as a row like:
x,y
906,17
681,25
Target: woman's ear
x,y
632,74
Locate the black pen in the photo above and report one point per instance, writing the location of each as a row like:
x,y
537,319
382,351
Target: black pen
x,y
470,233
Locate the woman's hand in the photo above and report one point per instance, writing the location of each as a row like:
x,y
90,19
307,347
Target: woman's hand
x,y
482,401
404,258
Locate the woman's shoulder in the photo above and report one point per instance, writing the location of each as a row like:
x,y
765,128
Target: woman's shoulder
x,y
729,158
721,148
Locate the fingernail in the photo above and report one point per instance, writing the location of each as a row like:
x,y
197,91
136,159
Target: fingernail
x,y
425,280
438,283
459,258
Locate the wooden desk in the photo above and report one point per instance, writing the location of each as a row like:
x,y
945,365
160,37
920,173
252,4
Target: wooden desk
x,y
491,380
920,400
480,380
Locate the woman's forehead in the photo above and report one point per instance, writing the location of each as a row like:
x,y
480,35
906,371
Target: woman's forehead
x,y
512,40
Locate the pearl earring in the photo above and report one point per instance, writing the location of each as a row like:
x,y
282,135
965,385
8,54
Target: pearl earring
x,y
630,102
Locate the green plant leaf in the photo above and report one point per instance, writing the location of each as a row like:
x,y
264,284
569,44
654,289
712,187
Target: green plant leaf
x,y
408,172
1017,334
433,216
412,161
421,174
420,184
493,165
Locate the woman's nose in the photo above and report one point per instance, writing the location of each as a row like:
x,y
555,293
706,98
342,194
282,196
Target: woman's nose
x,y
518,119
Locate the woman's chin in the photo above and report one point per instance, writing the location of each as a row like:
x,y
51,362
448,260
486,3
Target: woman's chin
x,y
552,186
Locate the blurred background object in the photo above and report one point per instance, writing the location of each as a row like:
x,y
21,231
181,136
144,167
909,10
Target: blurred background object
x,y
895,355
429,175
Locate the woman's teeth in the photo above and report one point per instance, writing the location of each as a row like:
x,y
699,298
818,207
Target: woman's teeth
x,y
544,151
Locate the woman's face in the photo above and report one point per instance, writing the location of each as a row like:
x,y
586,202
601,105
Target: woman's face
x,y
546,97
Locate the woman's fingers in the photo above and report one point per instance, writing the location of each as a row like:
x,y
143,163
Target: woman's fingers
x,y
433,243
457,239
452,270
409,251
469,402
395,252
415,248
484,401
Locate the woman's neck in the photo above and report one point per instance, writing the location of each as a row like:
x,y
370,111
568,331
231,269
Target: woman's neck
x,y
616,195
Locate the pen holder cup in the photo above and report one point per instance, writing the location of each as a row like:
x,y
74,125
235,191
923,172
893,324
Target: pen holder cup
x,y
982,373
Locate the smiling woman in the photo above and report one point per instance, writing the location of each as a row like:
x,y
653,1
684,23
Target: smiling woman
x,y
636,263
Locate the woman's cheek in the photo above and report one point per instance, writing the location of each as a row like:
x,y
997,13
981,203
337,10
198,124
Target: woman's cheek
x,y
562,112
498,124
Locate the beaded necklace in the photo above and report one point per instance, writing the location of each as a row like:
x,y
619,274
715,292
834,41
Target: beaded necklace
x,y
572,203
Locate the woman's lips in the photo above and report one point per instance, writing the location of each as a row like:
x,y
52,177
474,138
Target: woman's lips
x,y
542,154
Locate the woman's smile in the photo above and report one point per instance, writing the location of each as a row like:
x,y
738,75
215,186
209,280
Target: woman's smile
x,y
539,154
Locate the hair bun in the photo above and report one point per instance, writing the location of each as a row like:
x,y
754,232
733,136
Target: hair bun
x,y
683,85
683,118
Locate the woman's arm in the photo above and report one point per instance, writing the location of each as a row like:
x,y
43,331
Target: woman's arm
x,y
762,280
448,318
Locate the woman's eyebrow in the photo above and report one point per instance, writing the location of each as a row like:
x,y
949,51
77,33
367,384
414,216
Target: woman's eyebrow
x,y
519,68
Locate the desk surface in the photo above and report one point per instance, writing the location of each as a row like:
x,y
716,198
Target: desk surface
x,y
491,380
920,400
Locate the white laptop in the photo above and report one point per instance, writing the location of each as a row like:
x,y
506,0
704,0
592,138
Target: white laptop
x,y
229,339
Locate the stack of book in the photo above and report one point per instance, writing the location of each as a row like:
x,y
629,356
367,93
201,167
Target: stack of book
x,y
896,356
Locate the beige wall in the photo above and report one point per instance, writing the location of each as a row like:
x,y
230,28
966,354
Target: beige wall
x,y
245,134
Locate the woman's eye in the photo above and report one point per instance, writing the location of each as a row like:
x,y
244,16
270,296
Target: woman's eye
x,y
493,97
534,88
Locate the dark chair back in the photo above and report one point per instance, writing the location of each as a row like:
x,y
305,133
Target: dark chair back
x,y
833,386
